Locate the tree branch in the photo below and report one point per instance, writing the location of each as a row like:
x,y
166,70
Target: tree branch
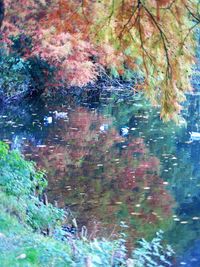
x,y
164,41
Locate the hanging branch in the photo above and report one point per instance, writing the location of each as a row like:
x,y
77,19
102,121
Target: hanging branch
x,y
83,11
128,21
195,16
164,41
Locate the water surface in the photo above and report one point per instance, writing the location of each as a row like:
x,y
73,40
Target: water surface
x,y
114,162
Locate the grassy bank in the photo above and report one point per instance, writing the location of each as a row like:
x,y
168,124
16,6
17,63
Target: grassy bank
x,y
32,233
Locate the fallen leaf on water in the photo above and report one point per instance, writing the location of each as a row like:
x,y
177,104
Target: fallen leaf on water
x,y
21,257
136,213
2,235
195,218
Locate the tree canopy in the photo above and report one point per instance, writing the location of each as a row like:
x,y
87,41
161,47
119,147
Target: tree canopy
x,y
154,38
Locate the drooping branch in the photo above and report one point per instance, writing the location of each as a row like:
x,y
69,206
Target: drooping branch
x,y
164,41
112,11
196,17
142,43
128,21
83,12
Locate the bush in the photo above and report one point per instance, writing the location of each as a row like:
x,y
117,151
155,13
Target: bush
x,y
22,75
153,254
15,77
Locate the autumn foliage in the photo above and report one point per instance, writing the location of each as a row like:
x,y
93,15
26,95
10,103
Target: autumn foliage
x,y
83,38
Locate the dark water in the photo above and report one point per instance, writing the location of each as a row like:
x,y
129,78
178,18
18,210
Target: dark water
x,y
114,162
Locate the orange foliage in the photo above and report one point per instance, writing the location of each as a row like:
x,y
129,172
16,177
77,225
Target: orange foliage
x,y
53,38
80,37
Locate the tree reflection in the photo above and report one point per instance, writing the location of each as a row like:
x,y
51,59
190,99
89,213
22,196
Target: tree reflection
x,y
103,176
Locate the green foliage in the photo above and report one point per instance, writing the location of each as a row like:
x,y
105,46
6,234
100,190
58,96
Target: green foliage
x,y
42,74
15,183
21,44
131,76
20,76
114,73
15,78
152,253
22,183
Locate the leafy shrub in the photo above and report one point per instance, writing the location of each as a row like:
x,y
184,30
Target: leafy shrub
x,y
20,76
15,78
152,253
23,183
41,73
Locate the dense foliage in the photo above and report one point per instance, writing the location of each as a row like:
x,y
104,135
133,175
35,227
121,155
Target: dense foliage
x,y
15,79
83,38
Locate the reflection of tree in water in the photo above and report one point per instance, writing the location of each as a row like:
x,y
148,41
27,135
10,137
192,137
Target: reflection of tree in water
x,y
103,177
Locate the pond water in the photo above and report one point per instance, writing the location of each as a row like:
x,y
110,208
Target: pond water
x,y
116,165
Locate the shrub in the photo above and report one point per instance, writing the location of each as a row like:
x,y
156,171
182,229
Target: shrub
x,y
153,254
15,78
